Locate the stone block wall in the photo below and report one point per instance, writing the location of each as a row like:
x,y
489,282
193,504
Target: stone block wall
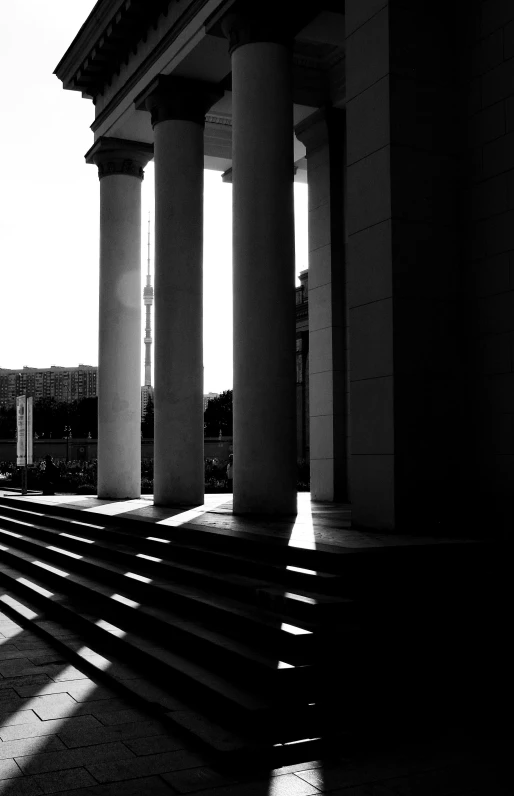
x,y
488,261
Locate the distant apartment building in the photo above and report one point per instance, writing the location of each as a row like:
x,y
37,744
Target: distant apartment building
x,y
146,394
61,383
207,397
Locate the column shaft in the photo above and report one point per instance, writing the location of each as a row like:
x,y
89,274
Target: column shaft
x,y
179,467
119,356
263,256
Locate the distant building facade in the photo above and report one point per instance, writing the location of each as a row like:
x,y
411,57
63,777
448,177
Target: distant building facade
x,y
207,397
302,367
61,383
146,394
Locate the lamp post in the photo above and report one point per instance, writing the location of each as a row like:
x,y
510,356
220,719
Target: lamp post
x,y
67,434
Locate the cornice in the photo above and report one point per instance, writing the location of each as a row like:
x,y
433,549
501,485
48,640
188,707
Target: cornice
x,y
108,37
164,43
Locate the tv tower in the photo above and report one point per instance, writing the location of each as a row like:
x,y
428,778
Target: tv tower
x,y
148,301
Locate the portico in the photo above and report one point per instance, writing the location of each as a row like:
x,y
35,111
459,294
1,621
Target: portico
x,y
328,93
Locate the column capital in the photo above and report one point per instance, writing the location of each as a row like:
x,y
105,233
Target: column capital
x,y
314,131
119,156
249,23
170,98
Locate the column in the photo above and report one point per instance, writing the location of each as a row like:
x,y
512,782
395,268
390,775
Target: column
x,y
323,135
404,137
120,169
263,262
178,108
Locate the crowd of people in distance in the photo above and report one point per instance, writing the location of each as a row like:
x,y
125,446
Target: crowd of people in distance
x,y
51,474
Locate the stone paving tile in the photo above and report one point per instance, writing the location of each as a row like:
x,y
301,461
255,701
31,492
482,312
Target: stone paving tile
x,y
70,673
145,766
349,776
20,717
292,769
64,781
8,769
51,727
283,785
23,786
81,690
196,779
147,786
22,667
53,706
26,747
121,716
154,745
9,652
10,701
30,682
47,761
74,738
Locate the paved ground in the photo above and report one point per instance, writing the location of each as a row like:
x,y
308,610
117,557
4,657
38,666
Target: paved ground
x,y
60,732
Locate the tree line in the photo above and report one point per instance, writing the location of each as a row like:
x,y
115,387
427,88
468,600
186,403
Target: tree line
x,y
52,418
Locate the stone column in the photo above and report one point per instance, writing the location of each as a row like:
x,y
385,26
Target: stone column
x,y
323,136
120,169
178,108
263,261
403,171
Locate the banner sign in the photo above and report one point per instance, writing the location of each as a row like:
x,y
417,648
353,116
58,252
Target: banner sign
x,y
30,430
24,428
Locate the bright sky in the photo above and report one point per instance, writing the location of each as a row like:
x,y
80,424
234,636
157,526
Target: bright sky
x,y
49,221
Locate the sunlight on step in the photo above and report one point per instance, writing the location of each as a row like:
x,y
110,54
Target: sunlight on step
x,y
77,538
156,539
302,571
116,631
302,534
18,522
11,533
148,558
294,630
111,509
22,609
125,600
64,552
35,587
191,514
284,665
87,524
28,511
135,576
56,571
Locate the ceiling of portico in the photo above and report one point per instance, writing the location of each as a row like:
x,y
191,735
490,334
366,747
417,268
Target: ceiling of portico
x,y
318,69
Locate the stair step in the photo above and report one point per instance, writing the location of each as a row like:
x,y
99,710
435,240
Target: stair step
x,y
297,602
201,686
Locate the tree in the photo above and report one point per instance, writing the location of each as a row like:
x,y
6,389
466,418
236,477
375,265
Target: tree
x,y
148,420
218,415
7,423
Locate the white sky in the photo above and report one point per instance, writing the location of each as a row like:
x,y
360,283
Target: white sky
x,y
49,209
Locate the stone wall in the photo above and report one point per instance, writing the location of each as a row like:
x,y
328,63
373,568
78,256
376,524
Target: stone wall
x,y
489,256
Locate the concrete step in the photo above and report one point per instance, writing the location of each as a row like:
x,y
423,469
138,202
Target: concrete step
x,y
259,718
296,602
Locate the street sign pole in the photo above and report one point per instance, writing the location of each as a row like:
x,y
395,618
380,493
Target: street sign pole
x,y
24,481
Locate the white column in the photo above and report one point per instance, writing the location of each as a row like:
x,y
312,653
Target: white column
x,y
178,111
120,168
263,257
323,134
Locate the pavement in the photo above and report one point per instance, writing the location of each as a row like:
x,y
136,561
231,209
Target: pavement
x,y
61,732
